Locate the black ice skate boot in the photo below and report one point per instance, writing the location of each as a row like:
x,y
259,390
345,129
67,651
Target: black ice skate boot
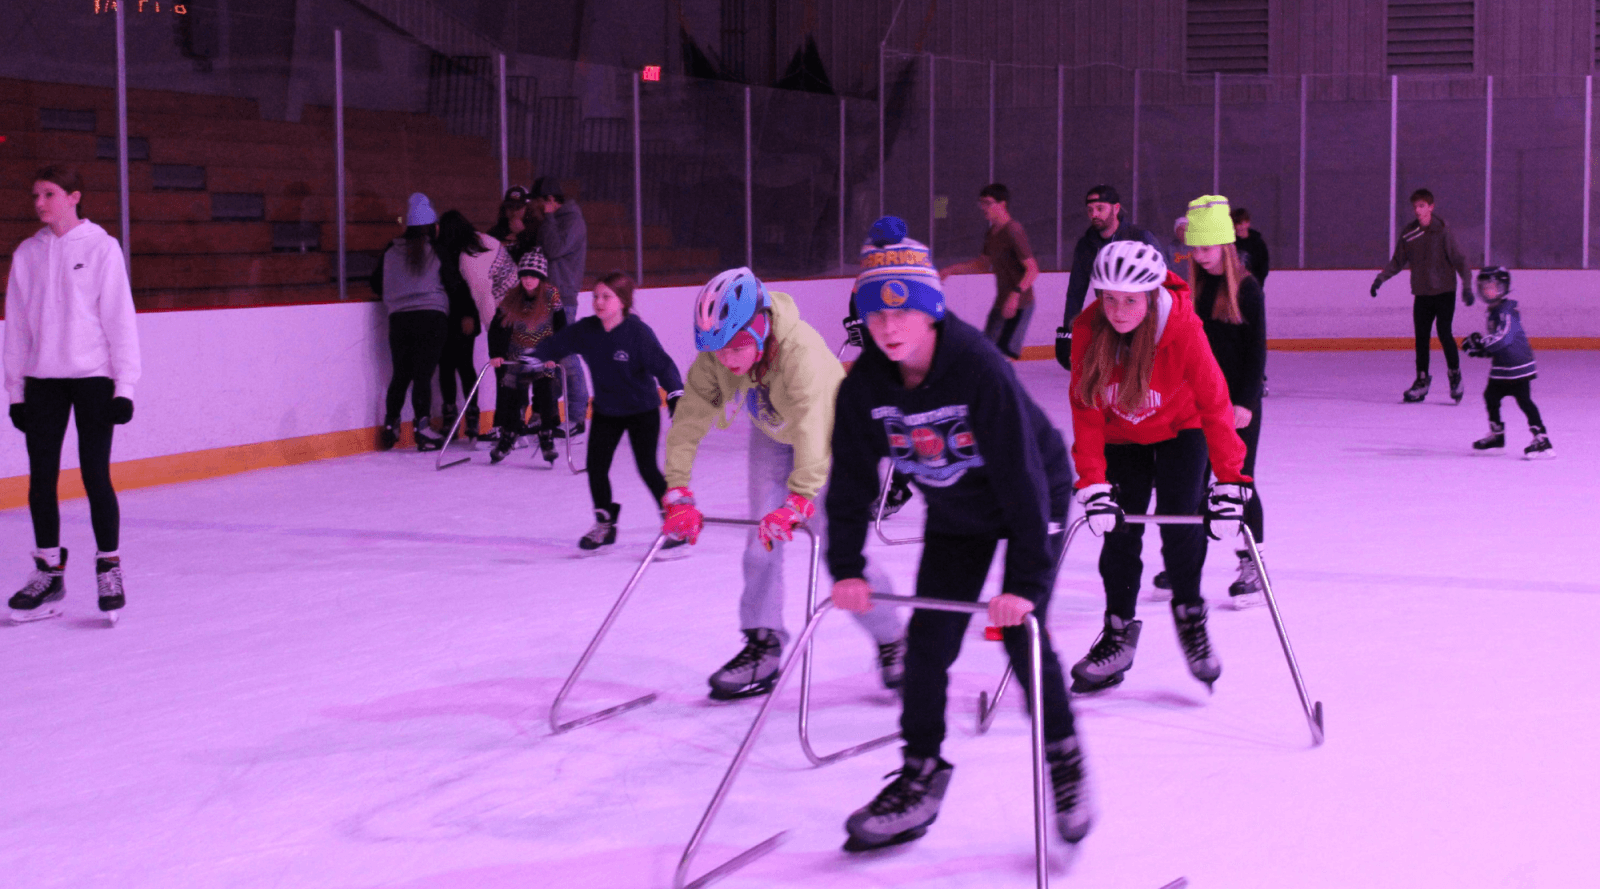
x,y
547,445
902,811
1458,389
469,423
1249,590
892,663
503,445
752,671
389,433
108,578
1109,658
1074,807
447,417
899,495
427,439
1419,389
1203,664
41,596
1494,440
604,532
1540,448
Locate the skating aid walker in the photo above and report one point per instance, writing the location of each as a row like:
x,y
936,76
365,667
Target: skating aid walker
x,y
562,409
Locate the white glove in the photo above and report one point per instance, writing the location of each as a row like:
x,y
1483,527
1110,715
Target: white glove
x,y
1100,509
1225,509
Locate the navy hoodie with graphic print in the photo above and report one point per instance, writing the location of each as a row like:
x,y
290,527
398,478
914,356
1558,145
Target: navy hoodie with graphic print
x,y
627,363
984,455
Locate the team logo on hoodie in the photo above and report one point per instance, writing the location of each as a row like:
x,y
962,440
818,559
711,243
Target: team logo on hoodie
x,y
936,446
1146,410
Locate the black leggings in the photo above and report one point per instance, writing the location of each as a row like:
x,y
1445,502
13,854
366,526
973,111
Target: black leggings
x,y
47,404
954,568
1426,312
605,434
1522,391
511,402
1175,470
456,361
415,341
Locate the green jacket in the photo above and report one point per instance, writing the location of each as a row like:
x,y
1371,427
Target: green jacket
x,y
793,404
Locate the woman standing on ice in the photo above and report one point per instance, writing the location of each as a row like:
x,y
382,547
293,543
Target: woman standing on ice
x,y
1229,302
71,348
408,278
476,272
1144,386
759,356
628,363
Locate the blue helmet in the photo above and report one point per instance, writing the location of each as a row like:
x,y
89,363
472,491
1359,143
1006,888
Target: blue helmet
x,y
726,306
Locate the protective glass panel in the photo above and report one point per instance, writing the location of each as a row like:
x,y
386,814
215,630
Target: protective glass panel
x,y
1260,160
694,157
796,183
1536,213
1025,153
1441,140
1176,152
1098,143
906,131
1347,172
962,145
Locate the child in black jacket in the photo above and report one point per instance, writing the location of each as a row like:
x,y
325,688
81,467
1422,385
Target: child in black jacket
x,y
528,314
935,396
1513,369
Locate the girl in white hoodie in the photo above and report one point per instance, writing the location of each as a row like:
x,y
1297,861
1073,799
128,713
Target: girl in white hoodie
x,y
71,348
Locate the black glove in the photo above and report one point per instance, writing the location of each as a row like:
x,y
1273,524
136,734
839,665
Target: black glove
x,y
672,405
1064,347
1472,344
121,410
1375,287
1466,295
18,418
855,332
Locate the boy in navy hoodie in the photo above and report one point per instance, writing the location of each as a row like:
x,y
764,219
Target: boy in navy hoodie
x,y
935,396
1513,367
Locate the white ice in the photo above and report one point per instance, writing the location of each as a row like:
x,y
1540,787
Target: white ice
x,y
338,675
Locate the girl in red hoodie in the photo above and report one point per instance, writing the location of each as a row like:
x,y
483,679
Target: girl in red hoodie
x,y
1148,405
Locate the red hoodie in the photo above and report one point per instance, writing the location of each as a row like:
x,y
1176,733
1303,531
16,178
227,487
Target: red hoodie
x,y
1187,391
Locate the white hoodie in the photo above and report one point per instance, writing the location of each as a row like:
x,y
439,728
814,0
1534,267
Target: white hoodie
x,y
69,311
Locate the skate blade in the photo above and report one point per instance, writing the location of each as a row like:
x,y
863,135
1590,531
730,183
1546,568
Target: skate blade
x,y
1079,687
113,616
43,612
754,691
859,844
1250,600
1542,455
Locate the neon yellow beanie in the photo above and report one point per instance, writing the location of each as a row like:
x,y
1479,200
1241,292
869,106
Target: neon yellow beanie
x,y
1210,222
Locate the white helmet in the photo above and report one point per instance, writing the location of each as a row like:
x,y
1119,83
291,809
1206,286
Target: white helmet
x,y
1129,266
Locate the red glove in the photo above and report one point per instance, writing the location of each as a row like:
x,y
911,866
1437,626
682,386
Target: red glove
x,y
682,520
779,524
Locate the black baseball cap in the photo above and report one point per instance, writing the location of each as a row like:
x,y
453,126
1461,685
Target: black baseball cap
x,y
1103,194
547,187
517,193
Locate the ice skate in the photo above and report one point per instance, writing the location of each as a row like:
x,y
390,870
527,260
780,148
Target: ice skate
x,y
1418,390
547,446
447,417
752,671
41,596
427,439
902,811
469,423
1074,808
1540,448
108,578
899,496
892,663
503,445
1249,590
562,430
1494,440
1458,389
604,532
1109,658
389,433
1203,664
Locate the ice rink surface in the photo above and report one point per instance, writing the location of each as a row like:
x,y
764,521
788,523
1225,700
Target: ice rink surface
x,y
338,675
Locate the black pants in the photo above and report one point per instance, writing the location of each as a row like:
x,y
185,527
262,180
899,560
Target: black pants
x,y
1426,312
47,404
954,568
456,361
511,403
605,434
1175,470
1521,390
416,340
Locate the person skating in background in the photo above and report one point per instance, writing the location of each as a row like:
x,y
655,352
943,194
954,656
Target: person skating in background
x,y
1251,246
1008,255
564,238
1512,368
937,398
1429,248
476,272
628,364
759,357
1106,224
408,277
528,314
1148,404
71,349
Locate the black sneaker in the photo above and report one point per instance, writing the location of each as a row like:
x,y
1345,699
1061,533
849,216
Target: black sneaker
x,y
902,811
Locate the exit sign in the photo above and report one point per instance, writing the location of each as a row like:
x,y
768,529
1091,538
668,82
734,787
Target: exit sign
x,y
652,73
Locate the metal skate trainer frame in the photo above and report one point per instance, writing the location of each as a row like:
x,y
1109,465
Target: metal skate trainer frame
x,y
804,646
1313,709
1036,706
471,399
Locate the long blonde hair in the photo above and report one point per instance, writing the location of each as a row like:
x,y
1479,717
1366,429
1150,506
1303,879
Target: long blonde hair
x,y
1135,351
1226,308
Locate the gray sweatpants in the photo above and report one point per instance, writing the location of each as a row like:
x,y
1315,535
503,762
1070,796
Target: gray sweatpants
x,y
761,605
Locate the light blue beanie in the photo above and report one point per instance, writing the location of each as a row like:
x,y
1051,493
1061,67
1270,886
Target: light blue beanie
x,y
419,211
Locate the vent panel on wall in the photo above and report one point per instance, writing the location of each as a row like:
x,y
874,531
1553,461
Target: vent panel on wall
x,y
1431,36
1226,35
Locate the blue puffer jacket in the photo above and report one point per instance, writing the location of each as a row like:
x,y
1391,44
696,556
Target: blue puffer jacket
x,y
1507,344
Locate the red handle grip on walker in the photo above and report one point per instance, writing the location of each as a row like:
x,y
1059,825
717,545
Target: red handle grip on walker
x,y
993,634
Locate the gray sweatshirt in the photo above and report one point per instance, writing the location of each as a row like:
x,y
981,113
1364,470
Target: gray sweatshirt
x,y
1434,257
564,238
405,291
